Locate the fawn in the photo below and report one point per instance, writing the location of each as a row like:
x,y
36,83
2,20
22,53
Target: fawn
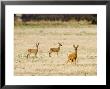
x,y
55,50
34,51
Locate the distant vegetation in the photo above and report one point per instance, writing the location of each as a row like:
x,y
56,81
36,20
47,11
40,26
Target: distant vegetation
x,y
41,20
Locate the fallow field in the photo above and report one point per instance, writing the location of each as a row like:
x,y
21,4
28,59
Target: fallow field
x,y
26,36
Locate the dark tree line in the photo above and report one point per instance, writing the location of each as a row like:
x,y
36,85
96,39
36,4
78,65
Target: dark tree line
x,y
59,17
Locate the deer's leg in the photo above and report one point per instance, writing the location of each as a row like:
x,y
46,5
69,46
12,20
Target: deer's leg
x,y
72,61
68,60
50,53
75,61
36,54
57,53
28,55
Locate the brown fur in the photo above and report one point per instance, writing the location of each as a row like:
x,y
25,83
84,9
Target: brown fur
x,y
73,55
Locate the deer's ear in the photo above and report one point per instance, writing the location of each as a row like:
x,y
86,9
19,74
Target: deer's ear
x,y
77,46
37,43
74,46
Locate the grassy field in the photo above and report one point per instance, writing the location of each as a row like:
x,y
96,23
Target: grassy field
x,y
26,36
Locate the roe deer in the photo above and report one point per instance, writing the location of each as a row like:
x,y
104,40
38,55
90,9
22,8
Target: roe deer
x,y
34,51
73,55
55,50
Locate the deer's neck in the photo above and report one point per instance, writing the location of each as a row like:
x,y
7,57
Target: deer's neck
x,y
59,48
76,52
37,48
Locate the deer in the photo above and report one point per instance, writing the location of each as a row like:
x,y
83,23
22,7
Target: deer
x,y
55,49
34,51
73,55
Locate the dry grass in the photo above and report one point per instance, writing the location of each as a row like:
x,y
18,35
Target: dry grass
x,y
25,38
60,24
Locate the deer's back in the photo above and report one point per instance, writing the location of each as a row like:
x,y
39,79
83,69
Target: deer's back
x,y
54,49
32,50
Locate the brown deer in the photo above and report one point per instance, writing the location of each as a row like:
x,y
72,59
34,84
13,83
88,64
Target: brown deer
x,y
55,50
34,51
73,55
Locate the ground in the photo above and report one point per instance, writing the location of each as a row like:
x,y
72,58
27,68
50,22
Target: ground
x,y
48,37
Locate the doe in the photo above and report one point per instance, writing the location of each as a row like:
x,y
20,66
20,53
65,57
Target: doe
x,y
73,55
55,50
33,51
